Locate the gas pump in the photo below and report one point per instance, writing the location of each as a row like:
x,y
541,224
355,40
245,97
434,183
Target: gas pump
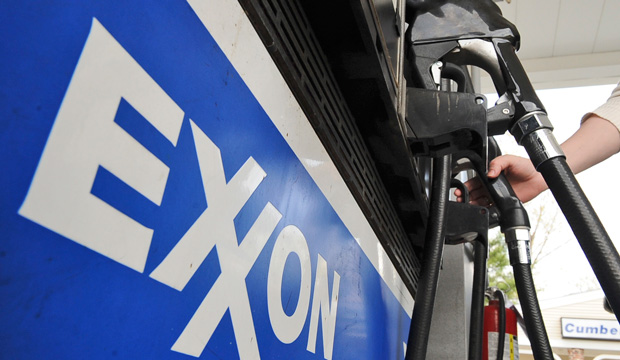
x,y
466,32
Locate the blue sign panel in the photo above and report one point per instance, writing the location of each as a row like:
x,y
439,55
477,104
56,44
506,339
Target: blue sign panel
x,y
151,209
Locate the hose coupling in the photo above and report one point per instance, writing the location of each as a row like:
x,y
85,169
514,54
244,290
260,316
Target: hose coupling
x,y
518,241
529,123
534,132
541,146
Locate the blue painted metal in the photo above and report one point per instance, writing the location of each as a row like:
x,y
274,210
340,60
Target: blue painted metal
x,y
62,300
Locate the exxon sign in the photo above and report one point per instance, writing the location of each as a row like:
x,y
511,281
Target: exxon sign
x,y
163,196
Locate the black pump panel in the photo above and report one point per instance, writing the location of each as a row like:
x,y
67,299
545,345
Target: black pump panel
x,y
444,20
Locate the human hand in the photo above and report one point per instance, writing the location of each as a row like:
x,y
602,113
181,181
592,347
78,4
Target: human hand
x,y
526,182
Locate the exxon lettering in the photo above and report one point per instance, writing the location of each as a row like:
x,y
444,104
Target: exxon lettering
x,y
85,138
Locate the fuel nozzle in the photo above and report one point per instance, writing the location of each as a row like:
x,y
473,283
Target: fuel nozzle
x,y
474,32
515,225
456,31
513,219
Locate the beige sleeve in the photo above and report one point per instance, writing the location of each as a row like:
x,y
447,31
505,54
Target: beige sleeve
x,y
609,110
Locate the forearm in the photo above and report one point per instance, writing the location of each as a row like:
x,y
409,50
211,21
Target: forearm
x,y
596,140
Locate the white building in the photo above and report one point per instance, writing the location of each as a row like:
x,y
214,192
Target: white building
x,y
579,327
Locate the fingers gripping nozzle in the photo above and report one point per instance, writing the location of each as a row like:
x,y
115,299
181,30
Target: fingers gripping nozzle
x,y
514,221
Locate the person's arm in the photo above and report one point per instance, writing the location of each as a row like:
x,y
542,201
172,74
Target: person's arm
x,y
596,140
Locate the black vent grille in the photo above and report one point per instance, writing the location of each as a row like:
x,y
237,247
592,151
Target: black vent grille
x,y
286,33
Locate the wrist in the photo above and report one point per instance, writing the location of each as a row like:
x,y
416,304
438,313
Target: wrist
x,y
540,184
532,187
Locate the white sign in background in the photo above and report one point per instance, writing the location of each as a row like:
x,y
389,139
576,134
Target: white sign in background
x,y
590,329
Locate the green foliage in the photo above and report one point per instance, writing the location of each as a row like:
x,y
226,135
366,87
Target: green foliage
x,y
500,271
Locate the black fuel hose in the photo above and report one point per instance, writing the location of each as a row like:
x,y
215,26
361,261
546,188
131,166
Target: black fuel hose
x,y
514,216
431,263
586,226
537,333
501,340
476,323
